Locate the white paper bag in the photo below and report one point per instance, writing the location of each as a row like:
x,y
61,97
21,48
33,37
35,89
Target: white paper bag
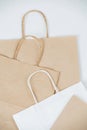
x,y
41,116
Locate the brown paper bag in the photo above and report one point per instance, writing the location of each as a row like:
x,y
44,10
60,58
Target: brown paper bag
x,y
13,82
74,116
14,90
60,54
6,112
13,79
15,59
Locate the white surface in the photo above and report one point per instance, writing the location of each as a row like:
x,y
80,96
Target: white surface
x,y
65,17
42,116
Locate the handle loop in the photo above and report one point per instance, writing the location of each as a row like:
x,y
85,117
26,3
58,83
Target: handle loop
x,y
23,21
21,42
30,87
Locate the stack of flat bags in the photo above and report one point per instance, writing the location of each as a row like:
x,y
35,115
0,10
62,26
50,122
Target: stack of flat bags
x,y
21,57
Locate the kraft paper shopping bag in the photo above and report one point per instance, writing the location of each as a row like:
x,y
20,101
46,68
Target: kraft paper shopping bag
x,y
13,82
73,117
60,54
13,78
56,53
14,73
42,115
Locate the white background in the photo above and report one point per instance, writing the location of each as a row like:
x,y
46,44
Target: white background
x,y
65,17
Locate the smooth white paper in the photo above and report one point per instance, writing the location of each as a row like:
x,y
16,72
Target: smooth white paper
x,y
42,116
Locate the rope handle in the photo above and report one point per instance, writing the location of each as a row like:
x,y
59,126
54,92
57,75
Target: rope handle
x,y
30,87
33,11
21,42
